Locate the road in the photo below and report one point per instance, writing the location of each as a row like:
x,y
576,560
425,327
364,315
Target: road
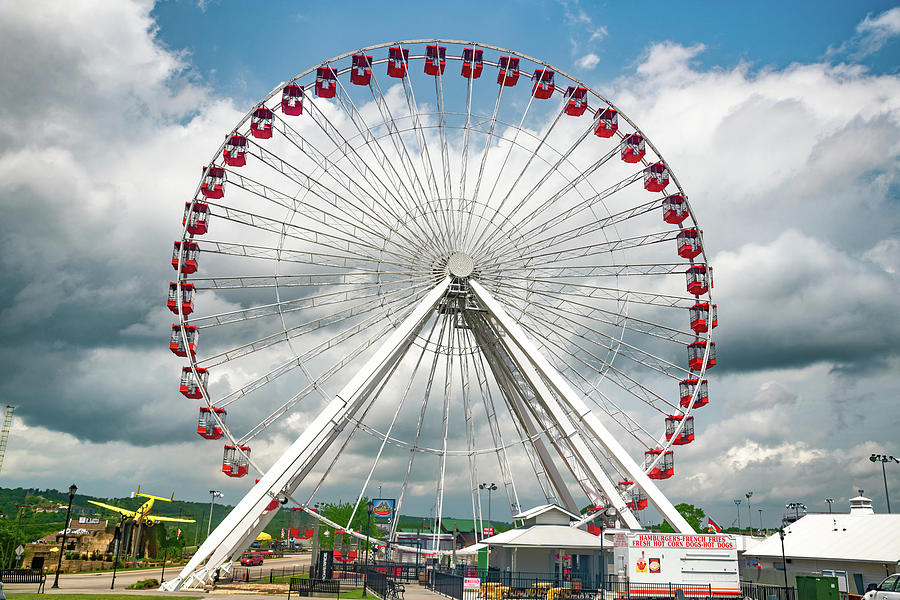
x,y
99,582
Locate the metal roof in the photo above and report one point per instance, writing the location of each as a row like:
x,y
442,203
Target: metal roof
x,y
857,537
545,536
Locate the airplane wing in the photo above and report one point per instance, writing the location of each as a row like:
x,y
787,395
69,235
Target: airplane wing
x,y
127,513
168,519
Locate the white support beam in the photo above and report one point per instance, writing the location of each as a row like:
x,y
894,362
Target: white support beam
x,y
576,404
284,476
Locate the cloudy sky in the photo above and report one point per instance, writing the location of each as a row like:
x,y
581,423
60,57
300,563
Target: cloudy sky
x,y
785,135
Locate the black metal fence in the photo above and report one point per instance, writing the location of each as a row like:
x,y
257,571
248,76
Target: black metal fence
x,y
308,587
764,591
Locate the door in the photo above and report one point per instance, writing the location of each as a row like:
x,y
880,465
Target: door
x,y
841,577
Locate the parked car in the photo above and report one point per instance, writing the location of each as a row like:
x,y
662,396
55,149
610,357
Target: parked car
x,y
889,589
251,560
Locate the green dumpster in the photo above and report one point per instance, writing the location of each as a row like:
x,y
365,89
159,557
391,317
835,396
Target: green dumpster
x,y
817,587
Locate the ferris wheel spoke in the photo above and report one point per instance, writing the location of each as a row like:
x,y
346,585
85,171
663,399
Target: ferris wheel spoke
x,y
589,272
305,303
469,205
362,167
329,320
403,156
313,280
442,129
616,346
304,233
426,395
445,430
346,225
586,290
588,250
339,205
583,231
572,305
557,345
490,412
560,217
319,259
468,418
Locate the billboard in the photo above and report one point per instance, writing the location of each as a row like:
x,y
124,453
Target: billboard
x,y
383,509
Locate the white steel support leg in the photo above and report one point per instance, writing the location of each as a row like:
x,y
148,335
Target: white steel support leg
x,y
576,404
284,476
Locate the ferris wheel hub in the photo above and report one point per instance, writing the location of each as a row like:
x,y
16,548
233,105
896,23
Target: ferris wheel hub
x,y
460,265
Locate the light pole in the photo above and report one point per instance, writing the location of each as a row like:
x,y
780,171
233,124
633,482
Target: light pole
x,y
760,528
783,559
882,458
118,537
749,514
368,525
737,506
72,489
795,506
213,494
490,487
830,501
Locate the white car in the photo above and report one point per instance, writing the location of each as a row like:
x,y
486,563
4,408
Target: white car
x,y
889,589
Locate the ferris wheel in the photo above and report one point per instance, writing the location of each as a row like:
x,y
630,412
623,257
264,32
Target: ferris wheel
x,y
436,263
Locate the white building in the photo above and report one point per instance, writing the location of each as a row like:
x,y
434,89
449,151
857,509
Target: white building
x,y
858,548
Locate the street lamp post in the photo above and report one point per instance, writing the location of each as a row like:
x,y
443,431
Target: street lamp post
x,y
213,494
760,520
737,506
830,501
783,559
72,489
368,525
749,514
882,458
118,537
490,487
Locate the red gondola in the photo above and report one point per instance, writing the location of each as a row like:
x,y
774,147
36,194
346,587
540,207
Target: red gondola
x,y
633,148
637,501
576,101
190,258
176,342
190,387
543,83
398,58
686,391
213,185
187,298
656,177
435,60
261,123
696,350
235,463
361,70
665,468
688,243
699,279
196,217
207,426
509,71
292,100
235,151
687,432
704,317
675,209
473,63
326,82
607,123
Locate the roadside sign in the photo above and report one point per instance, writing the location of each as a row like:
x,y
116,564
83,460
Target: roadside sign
x,y
471,583
487,531
20,549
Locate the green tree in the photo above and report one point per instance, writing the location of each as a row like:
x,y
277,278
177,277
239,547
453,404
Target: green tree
x,y
692,514
340,513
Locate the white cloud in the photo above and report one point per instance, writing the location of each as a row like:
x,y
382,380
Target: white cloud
x,y
588,61
872,33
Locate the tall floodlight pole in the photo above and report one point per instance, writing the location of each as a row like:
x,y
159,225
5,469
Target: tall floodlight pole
x,y
795,506
490,487
882,458
760,520
830,501
120,530
368,525
72,489
737,506
213,494
749,514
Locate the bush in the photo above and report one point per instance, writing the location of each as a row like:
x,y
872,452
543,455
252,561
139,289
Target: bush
x,y
144,584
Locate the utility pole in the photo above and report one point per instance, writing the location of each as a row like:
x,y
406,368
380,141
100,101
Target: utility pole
x,y
749,514
72,489
737,506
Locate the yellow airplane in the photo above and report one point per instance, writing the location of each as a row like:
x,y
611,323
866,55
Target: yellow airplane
x,y
143,512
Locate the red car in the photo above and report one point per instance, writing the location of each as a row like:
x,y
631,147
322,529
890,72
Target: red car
x,y
251,560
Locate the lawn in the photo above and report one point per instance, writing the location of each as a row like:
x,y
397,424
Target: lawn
x,y
16,596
